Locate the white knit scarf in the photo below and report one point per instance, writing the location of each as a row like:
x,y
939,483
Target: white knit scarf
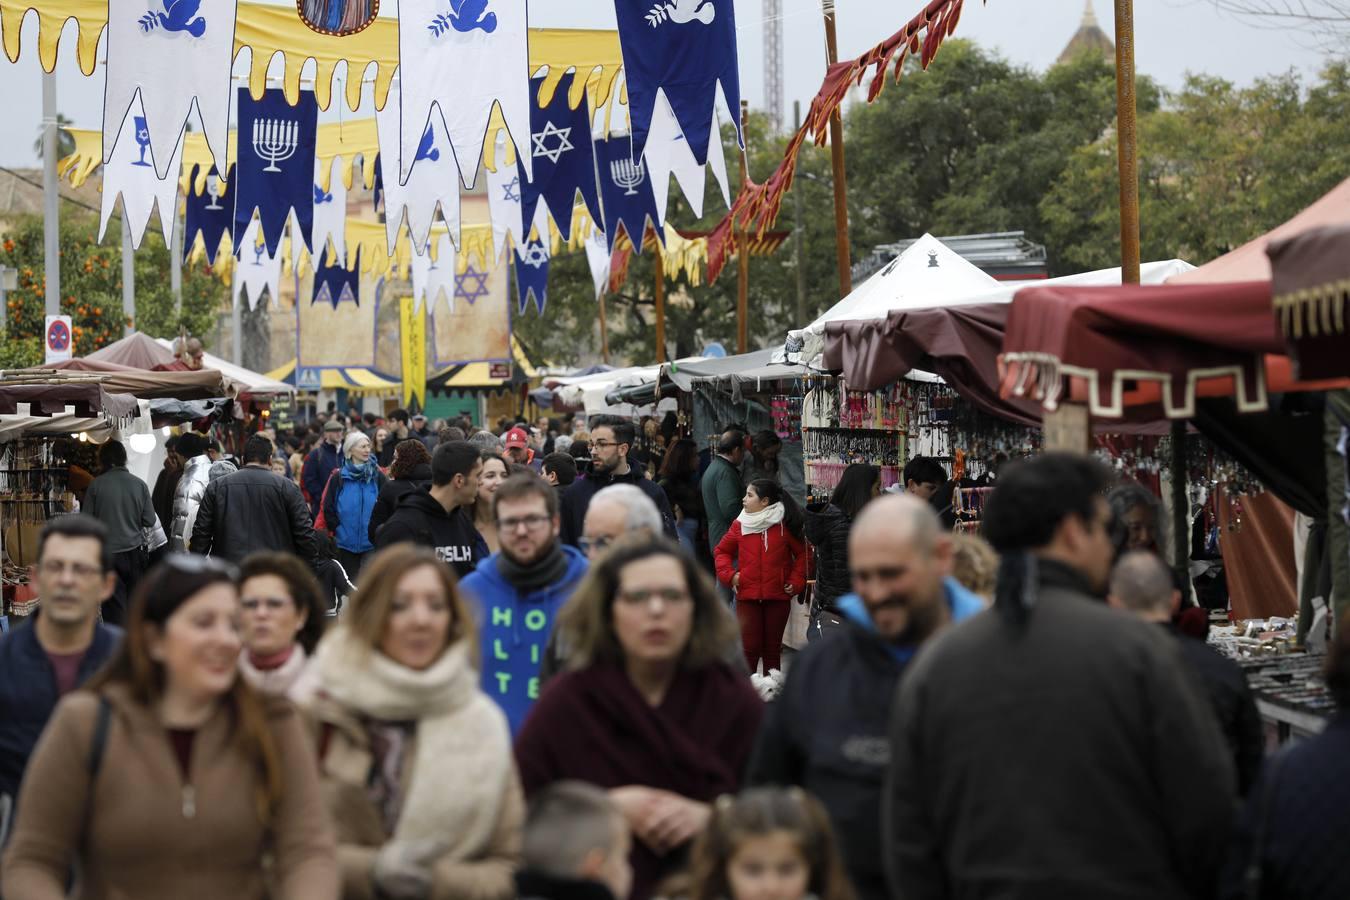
x,y
276,682
762,521
462,765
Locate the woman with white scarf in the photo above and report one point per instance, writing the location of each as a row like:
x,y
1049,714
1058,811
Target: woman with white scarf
x,y
763,558
416,760
282,615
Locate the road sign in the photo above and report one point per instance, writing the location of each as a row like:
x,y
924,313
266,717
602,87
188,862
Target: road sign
x,y
60,339
309,379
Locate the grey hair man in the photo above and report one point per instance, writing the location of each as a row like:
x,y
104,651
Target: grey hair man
x,y
1142,585
575,841
615,511
486,440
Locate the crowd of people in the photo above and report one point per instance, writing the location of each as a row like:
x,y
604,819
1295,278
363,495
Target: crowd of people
x,y
537,683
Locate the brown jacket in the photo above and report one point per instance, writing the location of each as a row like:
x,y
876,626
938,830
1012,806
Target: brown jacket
x,y
129,829
345,766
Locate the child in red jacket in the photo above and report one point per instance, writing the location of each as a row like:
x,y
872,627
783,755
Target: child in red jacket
x,y
762,556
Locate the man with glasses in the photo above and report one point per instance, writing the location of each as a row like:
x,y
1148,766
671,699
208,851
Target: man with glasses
x,y
826,733
438,518
518,591
617,511
60,647
611,439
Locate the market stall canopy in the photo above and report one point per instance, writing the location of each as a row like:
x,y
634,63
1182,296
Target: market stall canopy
x,y
137,350
251,382
353,379
1149,273
86,400
1114,348
1250,263
737,374
478,376
926,274
203,384
1310,281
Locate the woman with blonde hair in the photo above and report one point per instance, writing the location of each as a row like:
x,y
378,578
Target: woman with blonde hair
x,y
167,775
649,710
415,759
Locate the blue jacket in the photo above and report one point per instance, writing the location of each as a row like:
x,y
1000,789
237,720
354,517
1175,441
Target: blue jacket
x,y
827,731
348,508
28,697
319,464
514,630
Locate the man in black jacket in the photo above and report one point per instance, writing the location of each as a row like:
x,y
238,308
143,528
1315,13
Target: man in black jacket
x,y
438,518
611,439
254,509
1141,584
1052,746
826,732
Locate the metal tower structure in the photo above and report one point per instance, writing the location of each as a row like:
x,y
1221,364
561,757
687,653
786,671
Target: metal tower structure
x,y
773,63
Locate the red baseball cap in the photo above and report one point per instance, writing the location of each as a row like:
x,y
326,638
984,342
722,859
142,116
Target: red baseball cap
x,y
516,438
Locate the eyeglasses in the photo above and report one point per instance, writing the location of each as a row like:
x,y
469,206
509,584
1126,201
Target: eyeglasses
x,y
605,445
192,564
597,544
56,568
531,523
667,596
273,604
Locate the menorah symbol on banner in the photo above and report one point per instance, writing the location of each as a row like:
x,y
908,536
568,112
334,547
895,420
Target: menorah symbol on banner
x,y
627,175
275,140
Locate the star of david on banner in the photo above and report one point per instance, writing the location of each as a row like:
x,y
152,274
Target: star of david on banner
x,y
171,53
456,59
129,175
209,214
432,186
275,172
564,160
531,266
686,50
255,269
471,285
505,207
330,212
335,284
625,192
434,278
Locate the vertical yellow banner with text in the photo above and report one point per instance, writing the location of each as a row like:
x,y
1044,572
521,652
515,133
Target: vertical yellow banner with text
x,y
413,331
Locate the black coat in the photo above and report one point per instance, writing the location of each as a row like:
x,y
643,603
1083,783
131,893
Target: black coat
x,y
827,529
393,491
1303,798
1068,756
686,494
532,884
420,519
577,499
1231,699
826,733
250,510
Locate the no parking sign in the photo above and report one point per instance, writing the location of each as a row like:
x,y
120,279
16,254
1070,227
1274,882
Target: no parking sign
x,y
59,339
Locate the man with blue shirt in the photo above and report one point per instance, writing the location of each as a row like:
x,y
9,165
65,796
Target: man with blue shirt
x,y
827,731
517,592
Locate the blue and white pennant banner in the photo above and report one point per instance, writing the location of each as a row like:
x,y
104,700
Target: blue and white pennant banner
x,y
130,175
275,172
432,185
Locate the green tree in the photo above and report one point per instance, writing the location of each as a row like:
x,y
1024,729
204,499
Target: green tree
x,y
91,284
1218,165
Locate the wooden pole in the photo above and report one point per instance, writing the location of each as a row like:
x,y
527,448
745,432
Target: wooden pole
x,y
797,228
837,164
743,258
604,331
660,268
1127,143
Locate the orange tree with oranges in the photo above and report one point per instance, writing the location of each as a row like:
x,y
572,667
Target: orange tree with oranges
x,y
91,289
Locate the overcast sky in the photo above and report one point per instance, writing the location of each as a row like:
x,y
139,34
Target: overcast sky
x,y
1172,38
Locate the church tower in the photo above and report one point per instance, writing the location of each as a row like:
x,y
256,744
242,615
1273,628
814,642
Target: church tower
x,y
1088,39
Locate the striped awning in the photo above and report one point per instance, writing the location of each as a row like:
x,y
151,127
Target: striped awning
x,y
479,375
353,379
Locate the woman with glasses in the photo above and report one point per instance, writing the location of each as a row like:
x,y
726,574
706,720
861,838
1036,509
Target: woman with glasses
x,y
649,710
283,618
167,775
416,760
495,471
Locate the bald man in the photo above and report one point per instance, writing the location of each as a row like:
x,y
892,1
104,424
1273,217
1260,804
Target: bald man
x,y
827,732
1141,584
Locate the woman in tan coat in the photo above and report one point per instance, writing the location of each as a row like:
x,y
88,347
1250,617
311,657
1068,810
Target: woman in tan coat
x,y
416,760
167,776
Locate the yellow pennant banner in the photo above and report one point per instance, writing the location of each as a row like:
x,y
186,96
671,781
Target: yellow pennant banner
x,y
413,329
